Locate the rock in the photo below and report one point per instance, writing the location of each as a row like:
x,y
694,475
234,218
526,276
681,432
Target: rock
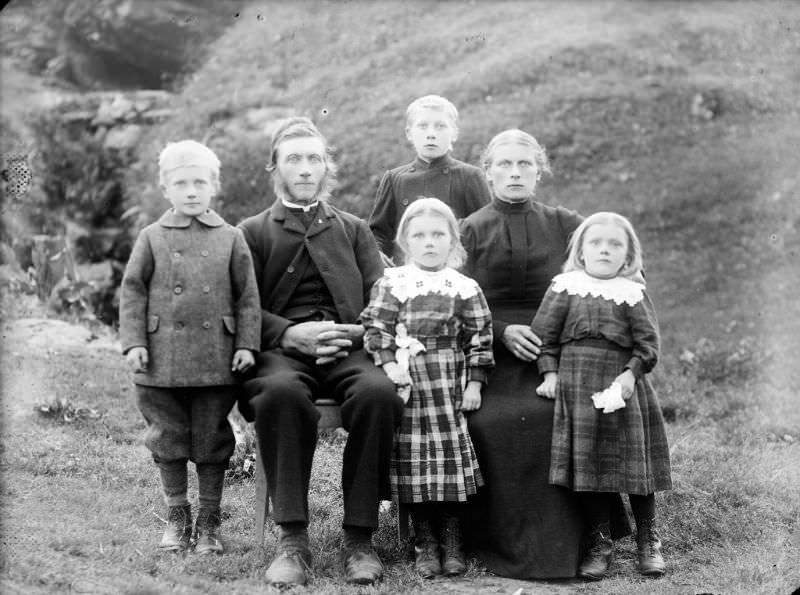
x,y
123,138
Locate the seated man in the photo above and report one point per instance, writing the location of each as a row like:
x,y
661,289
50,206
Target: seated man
x,y
315,266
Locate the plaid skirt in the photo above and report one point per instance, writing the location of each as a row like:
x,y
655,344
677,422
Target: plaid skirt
x,y
434,460
625,451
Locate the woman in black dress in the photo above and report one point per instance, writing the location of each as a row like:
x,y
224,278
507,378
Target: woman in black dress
x,y
521,526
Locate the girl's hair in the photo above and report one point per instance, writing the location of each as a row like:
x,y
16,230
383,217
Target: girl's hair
x,y
434,102
435,207
519,137
633,261
187,153
299,127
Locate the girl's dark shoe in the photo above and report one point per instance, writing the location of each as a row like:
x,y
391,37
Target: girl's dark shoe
x,y
648,545
206,532
453,561
179,529
426,550
601,549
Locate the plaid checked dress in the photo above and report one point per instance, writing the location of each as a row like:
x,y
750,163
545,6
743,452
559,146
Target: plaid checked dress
x,y
592,330
434,459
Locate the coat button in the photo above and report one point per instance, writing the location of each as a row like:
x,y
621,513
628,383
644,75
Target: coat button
x,y
176,254
178,289
178,326
446,170
405,202
206,289
290,269
204,253
206,324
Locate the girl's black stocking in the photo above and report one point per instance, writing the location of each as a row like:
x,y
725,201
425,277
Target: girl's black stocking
x,y
644,507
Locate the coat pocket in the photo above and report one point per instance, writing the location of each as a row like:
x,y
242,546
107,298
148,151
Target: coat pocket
x,y
152,324
230,324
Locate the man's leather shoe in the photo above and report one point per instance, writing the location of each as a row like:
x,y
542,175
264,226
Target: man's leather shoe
x,y
361,563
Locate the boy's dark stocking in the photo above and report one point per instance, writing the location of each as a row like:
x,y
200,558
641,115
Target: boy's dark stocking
x,y
210,481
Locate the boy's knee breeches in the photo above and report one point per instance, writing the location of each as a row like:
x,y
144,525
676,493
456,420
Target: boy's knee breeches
x,y
188,423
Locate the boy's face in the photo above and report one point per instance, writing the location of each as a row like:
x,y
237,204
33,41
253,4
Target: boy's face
x,y
300,163
190,189
431,132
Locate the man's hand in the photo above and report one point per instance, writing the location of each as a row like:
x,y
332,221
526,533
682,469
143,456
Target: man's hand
x,y
522,342
137,359
242,360
326,340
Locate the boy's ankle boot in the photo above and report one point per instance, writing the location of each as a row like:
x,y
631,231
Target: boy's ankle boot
x,y
648,545
206,532
601,549
293,558
426,550
453,563
179,529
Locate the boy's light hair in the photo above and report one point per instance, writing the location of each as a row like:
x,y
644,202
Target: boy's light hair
x,y
299,127
520,137
434,102
187,153
632,268
432,206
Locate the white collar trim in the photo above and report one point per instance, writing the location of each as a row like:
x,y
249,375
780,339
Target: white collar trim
x,y
294,205
619,289
409,281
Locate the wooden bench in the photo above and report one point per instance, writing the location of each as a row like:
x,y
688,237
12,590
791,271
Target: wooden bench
x,y
331,418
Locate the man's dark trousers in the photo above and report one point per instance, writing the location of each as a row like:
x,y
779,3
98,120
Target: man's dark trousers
x,y
281,402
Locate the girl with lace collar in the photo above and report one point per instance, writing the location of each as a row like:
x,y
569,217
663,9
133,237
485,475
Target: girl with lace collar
x,y
429,328
600,339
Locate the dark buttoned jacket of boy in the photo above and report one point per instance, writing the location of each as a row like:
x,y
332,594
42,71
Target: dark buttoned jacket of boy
x,y
189,296
459,185
341,247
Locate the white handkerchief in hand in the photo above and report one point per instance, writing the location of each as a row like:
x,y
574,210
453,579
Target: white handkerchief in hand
x,y
610,399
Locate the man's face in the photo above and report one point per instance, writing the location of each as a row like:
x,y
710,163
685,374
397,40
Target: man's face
x,y
302,168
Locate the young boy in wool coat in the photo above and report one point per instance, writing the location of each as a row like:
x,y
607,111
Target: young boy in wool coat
x,y
190,319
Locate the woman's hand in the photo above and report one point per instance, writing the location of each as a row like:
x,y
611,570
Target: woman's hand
x,y
548,387
242,360
628,383
471,400
520,340
137,359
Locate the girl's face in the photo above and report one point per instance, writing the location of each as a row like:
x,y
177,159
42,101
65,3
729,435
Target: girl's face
x,y
513,172
432,133
429,241
190,189
301,166
604,249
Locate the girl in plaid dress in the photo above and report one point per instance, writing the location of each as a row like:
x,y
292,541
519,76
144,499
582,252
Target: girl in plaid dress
x,y
429,328
599,340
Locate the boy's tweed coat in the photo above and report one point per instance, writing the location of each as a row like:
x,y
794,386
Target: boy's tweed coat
x,y
341,246
189,296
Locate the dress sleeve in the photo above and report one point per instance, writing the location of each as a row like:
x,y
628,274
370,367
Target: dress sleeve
x,y
646,340
379,319
383,219
547,325
134,294
477,331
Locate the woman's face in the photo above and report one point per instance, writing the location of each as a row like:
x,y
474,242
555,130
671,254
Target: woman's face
x,y
513,172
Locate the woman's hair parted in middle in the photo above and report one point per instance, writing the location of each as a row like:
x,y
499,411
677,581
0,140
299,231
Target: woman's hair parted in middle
x,y
299,127
519,137
634,263
435,207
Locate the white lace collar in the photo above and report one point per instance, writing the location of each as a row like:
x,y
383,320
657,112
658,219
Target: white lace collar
x,y
618,289
408,281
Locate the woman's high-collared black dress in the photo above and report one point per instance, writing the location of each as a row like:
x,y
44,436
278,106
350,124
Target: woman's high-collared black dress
x,y
520,526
